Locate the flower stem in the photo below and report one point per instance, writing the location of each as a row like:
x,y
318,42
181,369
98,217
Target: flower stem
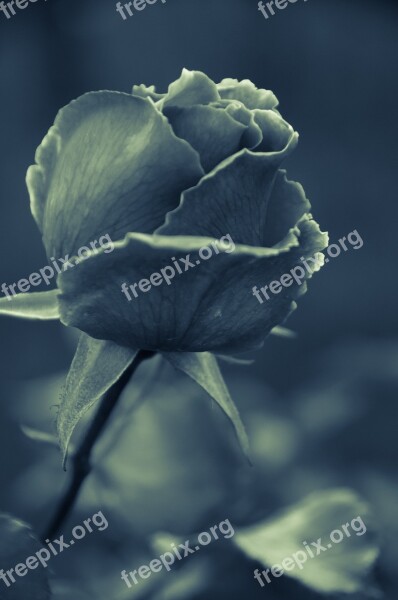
x,y
81,459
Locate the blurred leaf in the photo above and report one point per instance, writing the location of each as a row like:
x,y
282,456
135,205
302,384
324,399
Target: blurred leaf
x,y
191,580
342,566
37,305
97,365
64,590
202,367
17,544
39,436
233,360
283,332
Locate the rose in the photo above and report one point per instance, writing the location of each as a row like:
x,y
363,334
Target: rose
x,y
165,175
113,163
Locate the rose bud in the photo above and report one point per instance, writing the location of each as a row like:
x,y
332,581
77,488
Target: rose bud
x,y
190,178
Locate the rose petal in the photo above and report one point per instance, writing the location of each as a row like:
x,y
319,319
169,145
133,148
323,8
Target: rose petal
x,y
147,92
212,132
108,163
276,131
246,92
231,200
253,135
201,308
288,203
193,87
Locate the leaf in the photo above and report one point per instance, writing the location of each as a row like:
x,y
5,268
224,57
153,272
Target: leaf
x,y
342,566
65,590
39,436
202,367
17,544
97,365
284,332
234,360
37,305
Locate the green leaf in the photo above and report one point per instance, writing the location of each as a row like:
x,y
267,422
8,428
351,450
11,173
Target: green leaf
x,y
97,365
202,367
342,566
234,360
37,305
36,435
283,332
17,544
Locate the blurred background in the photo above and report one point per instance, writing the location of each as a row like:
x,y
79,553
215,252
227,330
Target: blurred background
x,y
320,407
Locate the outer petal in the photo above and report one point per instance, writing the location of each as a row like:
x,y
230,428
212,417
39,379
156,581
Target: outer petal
x,y
37,305
276,131
97,365
201,309
193,87
147,92
108,165
287,205
233,200
246,92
